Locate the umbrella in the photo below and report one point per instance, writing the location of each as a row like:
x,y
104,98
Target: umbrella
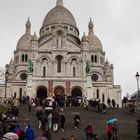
x,y
97,99
41,138
79,97
76,113
111,121
49,98
11,136
48,108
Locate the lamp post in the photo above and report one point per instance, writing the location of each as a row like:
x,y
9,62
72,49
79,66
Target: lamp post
x,y
6,79
137,96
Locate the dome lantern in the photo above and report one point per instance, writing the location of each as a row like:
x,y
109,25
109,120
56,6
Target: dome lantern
x,y
28,26
59,3
90,26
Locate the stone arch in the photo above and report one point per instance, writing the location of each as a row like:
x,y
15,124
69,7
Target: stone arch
x,y
59,28
76,91
74,57
41,92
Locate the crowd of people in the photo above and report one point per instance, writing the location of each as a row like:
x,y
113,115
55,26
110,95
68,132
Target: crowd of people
x,y
51,119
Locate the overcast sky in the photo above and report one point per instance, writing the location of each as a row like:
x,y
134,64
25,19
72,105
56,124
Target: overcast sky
x,y
116,23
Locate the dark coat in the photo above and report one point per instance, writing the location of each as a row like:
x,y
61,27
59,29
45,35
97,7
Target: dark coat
x,y
62,118
138,129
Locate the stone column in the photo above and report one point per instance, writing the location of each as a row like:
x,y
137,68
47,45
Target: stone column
x,y
68,88
89,94
50,88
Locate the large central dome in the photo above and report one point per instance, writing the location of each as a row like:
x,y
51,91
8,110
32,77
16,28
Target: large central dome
x,y
59,14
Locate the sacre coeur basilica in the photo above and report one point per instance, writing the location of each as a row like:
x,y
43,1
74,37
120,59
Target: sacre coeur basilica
x,y
59,63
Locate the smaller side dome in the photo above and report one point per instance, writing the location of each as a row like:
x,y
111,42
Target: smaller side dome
x,y
25,41
94,42
34,37
85,38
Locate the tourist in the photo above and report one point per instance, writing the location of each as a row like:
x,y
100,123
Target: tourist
x,y
17,130
77,120
114,131
138,128
50,120
72,137
109,102
47,133
108,130
30,133
89,132
62,122
55,120
113,103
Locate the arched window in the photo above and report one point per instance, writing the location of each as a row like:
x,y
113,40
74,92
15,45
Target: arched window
x,y
20,92
26,58
103,98
22,58
15,95
92,58
95,58
97,92
74,72
59,61
44,71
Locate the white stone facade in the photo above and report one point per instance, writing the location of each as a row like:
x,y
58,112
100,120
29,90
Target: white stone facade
x,y
59,60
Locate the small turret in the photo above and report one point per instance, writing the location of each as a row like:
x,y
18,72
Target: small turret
x,y
34,38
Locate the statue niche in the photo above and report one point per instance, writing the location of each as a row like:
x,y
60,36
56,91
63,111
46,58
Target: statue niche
x,y
59,39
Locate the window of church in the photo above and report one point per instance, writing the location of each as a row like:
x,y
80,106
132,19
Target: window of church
x,y
103,98
74,71
26,58
47,29
95,58
15,95
59,60
52,27
22,58
92,58
97,92
66,27
44,71
71,29
20,92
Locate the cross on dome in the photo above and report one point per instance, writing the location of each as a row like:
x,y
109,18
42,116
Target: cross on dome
x,y
59,2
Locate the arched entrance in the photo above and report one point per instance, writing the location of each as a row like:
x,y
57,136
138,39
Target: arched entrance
x,y
59,92
76,91
41,92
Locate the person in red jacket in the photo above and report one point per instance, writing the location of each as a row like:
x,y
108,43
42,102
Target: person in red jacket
x,y
108,130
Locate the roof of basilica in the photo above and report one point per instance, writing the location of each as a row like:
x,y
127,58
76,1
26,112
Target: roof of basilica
x,y
59,14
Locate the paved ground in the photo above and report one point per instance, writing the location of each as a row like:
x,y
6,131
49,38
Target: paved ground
x,y
126,122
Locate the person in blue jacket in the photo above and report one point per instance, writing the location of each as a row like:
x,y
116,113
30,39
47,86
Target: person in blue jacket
x,y
30,133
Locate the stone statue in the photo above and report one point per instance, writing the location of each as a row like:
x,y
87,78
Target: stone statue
x,y
87,67
30,66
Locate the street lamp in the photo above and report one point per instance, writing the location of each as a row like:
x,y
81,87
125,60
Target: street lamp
x,y
6,79
137,96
